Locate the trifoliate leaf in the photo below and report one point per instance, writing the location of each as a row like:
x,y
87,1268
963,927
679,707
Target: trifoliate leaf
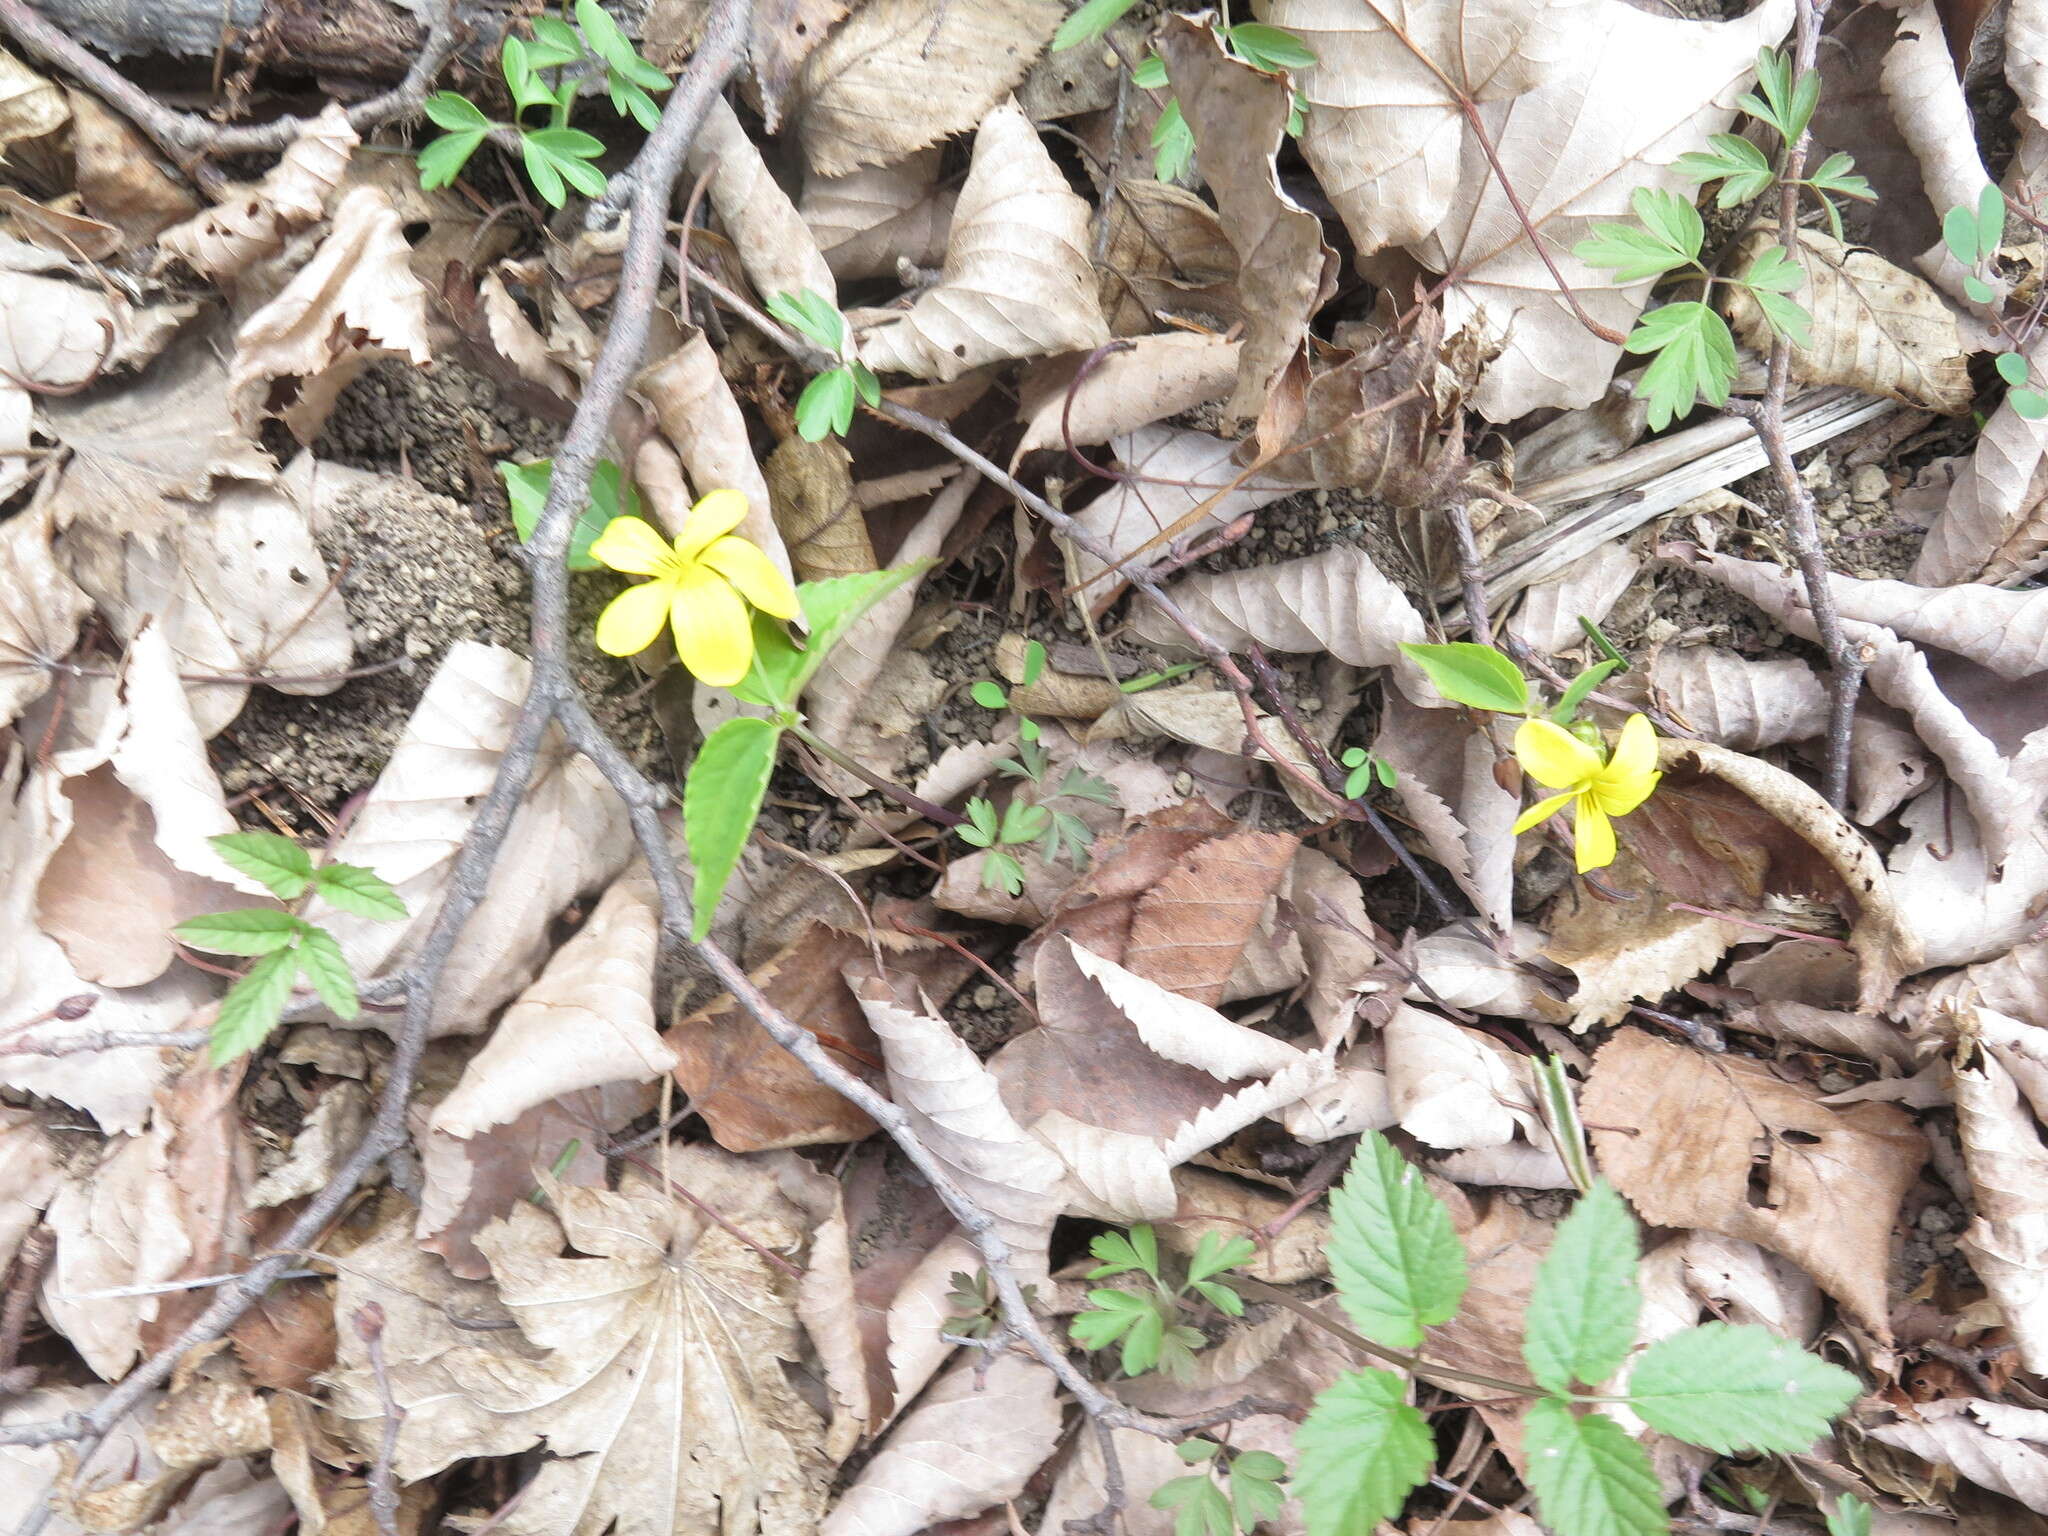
x,y
1173,142
1477,675
1849,1517
1737,1387
721,801
1198,1505
249,931
1359,1454
327,972
553,156
825,408
1742,168
1671,218
356,889
1695,356
1630,252
442,161
811,313
1582,1312
1589,1477
253,1006
281,864
1395,1258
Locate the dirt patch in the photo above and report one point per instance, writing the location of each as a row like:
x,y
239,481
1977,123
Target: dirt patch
x,y
444,426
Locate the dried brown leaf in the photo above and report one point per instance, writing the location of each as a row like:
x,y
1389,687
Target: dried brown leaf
x,y
1188,930
1993,1445
1166,253
118,174
1735,702
1179,480
252,222
2007,1240
39,620
868,220
774,244
810,486
1723,1143
1143,381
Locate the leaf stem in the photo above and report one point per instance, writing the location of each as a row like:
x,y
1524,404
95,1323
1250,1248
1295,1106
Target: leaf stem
x,y
867,776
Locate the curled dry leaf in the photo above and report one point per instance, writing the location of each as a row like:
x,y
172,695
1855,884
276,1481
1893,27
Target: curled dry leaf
x,y
1683,1138
1133,384
31,106
1239,119
2007,1240
1827,1029
1875,327
1965,906
1453,1087
1993,1445
664,1406
1016,280
1548,618
1993,522
1448,786
775,246
904,74
818,510
355,301
1920,78
1735,702
1181,485
249,223
972,1441
1466,973
869,219
1166,253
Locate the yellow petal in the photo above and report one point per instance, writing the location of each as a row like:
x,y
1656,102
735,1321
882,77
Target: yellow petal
x,y
748,567
1542,810
715,514
1553,756
633,618
632,545
1619,799
714,636
1594,834
1635,754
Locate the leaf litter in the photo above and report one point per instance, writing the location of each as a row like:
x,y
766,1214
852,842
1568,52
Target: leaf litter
x,y
1280,327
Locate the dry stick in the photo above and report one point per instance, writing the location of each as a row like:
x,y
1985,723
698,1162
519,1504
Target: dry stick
x,y
552,691
1846,662
29,1262
186,137
369,1325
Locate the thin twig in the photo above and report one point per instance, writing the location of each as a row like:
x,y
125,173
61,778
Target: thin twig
x,y
369,1326
29,1262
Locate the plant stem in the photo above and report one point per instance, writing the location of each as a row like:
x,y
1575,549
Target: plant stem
x,y
867,776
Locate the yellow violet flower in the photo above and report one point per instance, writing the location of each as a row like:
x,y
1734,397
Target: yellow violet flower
x,y
1597,788
702,585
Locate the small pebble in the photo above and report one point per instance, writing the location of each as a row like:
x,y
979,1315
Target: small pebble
x,y
1936,1218
1310,704
1867,484
1836,1082
1183,783
986,997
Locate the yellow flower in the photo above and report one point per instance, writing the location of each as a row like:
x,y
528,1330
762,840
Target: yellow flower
x,y
701,587
1597,788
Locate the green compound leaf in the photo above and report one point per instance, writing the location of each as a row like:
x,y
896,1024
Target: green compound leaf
x,y
253,1006
1477,675
442,161
327,972
1089,22
1737,1387
1173,142
1582,1313
557,155
1395,1258
1589,1477
1837,174
1672,219
1254,1495
1270,49
1198,1505
1214,1254
247,931
1742,169
1359,1454
1849,1517
1787,317
1774,270
1695,356
721,800
356,889
281,864
782,667
811,313
1632,254
825,408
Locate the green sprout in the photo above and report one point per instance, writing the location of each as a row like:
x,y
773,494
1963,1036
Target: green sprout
x,y
825,408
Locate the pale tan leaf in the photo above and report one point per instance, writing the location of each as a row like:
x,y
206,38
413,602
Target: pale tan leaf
x,y
355,301
2007,1240
775,247
517,341
1467,973
1239,119
972,1441
31,106
2014,984
1446,784
587,1019
249,223
1188,931
1828,1029
810,486
1688,1136
1016,282
1735,702
1080,1490
1548,618
902,74
1993,1445
869,219
1453,1087
1963,907
39,618
1146,380
1875,327
1166,253
1354,1099
118,173
1210,718
1173,473
663,1405
827,1304
1992,521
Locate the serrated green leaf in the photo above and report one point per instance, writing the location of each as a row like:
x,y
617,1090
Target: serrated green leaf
x,y
253,1006
1359,1454
1774,270
1394,1256
1737,1387
1849,1517
721,801
281,864
1270,48
825,408
1089,22
1589,1477
1198,1505
245,931
1173,143
2012,367
1632,254
781,668
1671,219
326,970
1582,1312
1477,675
1990,221
356,889
445,109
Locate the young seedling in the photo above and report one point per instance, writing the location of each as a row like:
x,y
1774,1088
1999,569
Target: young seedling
x,y
287,948
825,408
1146,1322
1973,237
1058,833
1233,1491
1367,768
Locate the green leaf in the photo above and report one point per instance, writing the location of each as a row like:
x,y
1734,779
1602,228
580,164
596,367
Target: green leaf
x,y
1743,170
1199,1507
781,669
528,89
1582,1313
356,889
1560,1111
1575,692
1271,49
1395,1259
1220,1296
989,694
281,864
1589,1477
1477,675
1034,663
442,160
1837,175
1774,270
557,155
721,799
1849,1517
445,109
2012,367
1695,357
1254,1498
603,35
1787,317
253,1006
1990,221
825,408
2029,404
325,968
865,381
1173,142
1261,1466
554,43
1959,234
1090,21
1979,291
1359,1454
1120,1253
1214,1254
1632,254
811,313
1195,1452
1672,219
1002,870
1150,75
245,931
1737,1387
628,98
611,495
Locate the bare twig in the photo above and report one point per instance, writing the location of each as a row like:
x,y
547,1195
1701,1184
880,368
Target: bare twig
x,y
103,1040
29,1262
369,1326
